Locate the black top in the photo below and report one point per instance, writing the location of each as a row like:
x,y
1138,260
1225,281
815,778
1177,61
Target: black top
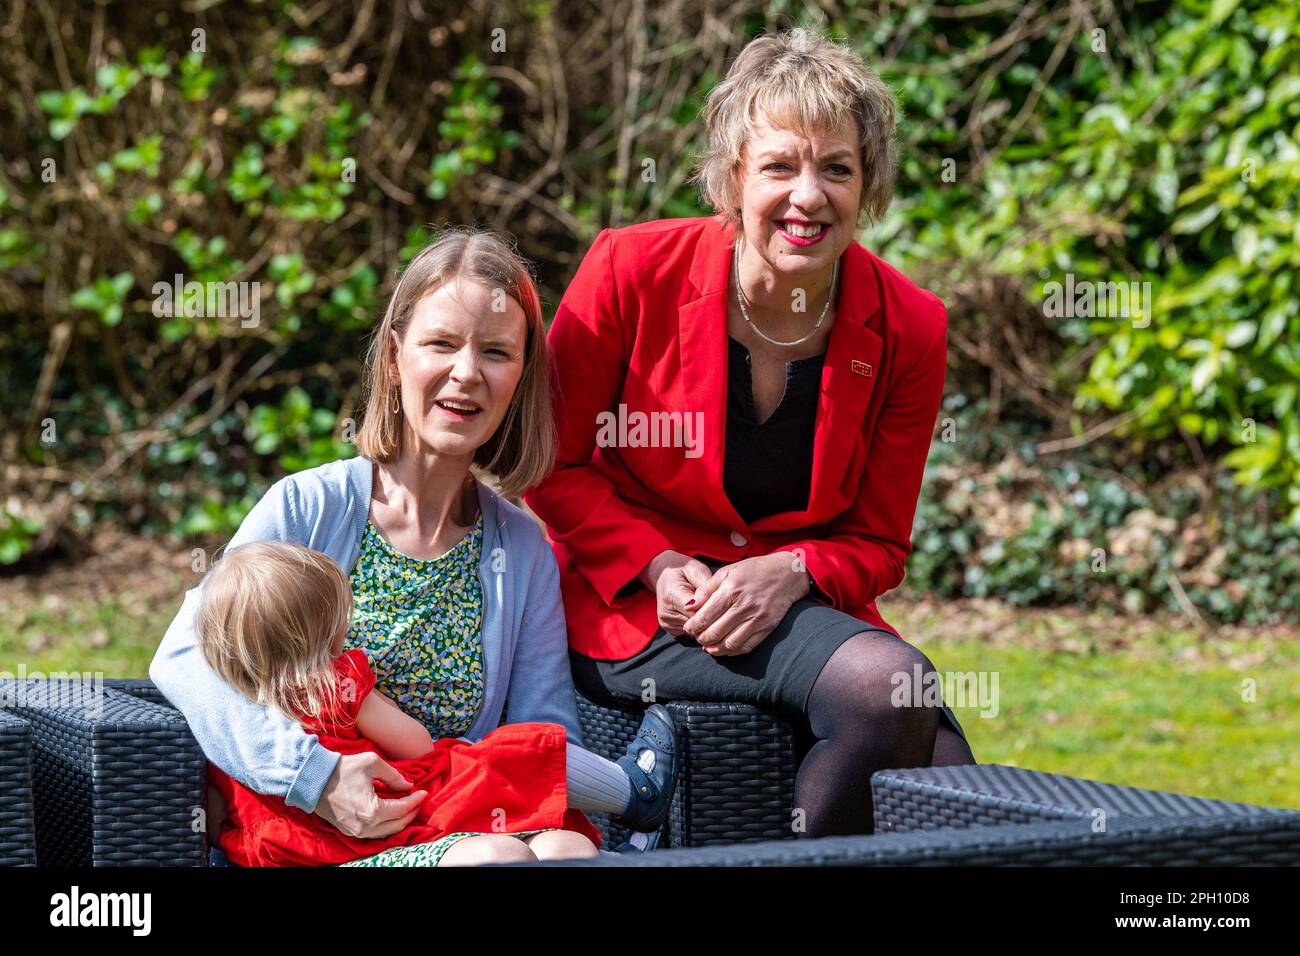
x,y
767,468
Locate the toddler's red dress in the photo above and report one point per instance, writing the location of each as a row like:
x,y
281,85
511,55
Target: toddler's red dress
x,y
511,781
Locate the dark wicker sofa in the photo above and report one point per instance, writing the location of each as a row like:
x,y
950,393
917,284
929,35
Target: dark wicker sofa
x,y
110,775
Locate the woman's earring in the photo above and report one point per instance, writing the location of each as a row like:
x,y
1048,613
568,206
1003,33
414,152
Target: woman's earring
x,y
397,401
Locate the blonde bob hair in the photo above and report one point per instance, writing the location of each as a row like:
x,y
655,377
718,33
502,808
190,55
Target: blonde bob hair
x,y
522,451
807,82
269,615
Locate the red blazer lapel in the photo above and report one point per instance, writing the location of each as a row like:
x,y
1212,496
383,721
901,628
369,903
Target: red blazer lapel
x,y
849,376
702,338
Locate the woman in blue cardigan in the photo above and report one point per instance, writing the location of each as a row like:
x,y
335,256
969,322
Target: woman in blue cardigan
x,y
456,376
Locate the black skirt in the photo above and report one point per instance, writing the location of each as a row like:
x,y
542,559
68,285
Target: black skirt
x,y
777,675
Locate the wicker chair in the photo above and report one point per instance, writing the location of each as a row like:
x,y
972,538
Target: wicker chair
x,y
1267,839
116,778
736,771
17,828
993,795
737,783
104,801
727,749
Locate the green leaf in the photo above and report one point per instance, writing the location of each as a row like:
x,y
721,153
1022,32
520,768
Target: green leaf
x,y
322,420
1240,334
122,283
55,102
1246,241
1196,221
298,403
1165,186
86,298
1220,10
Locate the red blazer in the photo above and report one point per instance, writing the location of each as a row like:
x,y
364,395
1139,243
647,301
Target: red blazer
x,y
644,324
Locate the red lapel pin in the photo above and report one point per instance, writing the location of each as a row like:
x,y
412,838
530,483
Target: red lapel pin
x,y
860,368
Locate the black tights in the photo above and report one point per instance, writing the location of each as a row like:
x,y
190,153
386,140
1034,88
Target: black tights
x,y
859,731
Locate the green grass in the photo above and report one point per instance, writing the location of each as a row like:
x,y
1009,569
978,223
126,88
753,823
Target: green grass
x,y
83,635
1144,716
1162,710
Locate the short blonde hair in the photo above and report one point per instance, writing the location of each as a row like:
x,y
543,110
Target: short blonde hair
x,y
804,81
269,614
522,451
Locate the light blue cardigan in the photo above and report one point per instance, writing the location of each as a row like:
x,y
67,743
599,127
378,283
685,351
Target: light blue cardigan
x,y
525,644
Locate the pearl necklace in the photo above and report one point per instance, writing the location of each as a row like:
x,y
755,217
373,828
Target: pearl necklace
x,y
740,298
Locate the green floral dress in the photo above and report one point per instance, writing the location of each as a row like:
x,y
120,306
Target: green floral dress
x,y
419,623
420,626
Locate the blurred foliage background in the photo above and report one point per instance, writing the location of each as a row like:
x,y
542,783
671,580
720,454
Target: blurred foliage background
x,y
1132,464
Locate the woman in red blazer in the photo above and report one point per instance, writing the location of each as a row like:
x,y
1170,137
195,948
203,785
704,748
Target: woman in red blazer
x,y
745,406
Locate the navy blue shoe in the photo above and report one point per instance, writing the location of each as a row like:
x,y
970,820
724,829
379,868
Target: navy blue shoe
x,y
651,765
640,842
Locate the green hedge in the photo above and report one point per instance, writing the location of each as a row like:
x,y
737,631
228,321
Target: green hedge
x,y
308,150
997,520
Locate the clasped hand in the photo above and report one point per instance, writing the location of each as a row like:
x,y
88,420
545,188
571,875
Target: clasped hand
x,y
729,611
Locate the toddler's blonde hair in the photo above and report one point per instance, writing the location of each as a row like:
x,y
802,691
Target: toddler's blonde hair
x,y
268,619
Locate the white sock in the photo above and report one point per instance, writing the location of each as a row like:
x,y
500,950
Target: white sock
x,y
596,783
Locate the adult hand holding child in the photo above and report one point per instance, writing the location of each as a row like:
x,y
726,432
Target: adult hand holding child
x,y
350,803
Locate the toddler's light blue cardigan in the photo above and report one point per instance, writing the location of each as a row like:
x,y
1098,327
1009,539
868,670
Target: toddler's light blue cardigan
x,y
525,645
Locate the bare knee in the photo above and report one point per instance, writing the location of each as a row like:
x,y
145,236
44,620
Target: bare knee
x,y
561,845
486,849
